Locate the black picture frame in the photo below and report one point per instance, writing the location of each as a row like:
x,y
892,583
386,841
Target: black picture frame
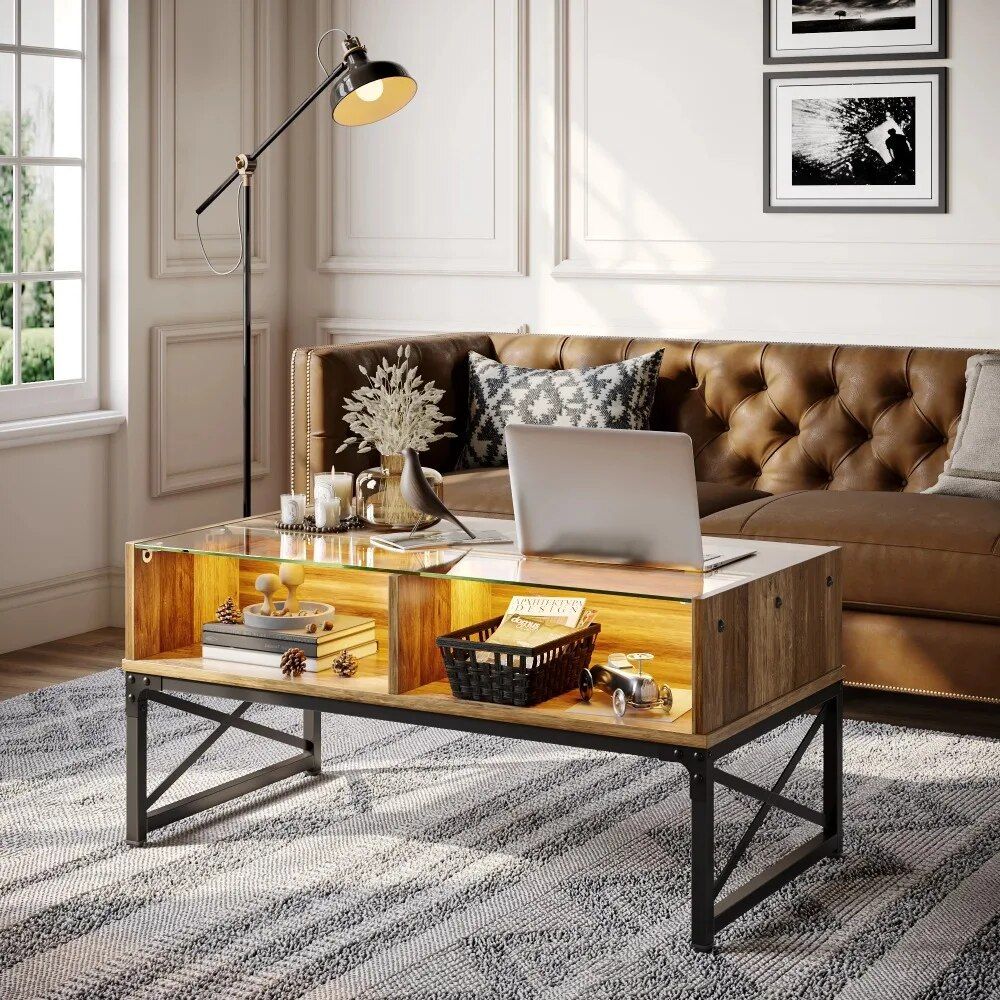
x,y
939,208
941,52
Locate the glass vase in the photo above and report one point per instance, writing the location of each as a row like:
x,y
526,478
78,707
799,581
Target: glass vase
x,y
381,502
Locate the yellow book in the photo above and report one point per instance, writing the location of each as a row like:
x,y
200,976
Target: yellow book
x,y
534,621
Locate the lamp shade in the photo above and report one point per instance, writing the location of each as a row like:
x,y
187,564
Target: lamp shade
x,y
370,91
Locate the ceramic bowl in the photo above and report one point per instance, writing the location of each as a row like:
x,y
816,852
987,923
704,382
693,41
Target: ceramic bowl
x,y
310,612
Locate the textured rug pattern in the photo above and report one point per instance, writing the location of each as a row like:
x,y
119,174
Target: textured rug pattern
x,y
432,864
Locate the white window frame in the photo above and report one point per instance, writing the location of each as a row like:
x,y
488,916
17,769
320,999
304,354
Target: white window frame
x,y
49,399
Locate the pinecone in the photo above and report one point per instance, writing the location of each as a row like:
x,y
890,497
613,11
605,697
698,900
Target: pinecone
x,y
293,662
346,664
228,613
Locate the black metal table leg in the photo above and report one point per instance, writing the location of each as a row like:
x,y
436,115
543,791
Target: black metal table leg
x,y
312,732
710,910
702,852
136,715
833,771
141,819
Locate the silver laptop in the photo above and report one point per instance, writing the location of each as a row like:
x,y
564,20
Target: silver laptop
x,y
610,496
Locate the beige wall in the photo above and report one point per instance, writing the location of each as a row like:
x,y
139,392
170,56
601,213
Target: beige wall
x,y
641,197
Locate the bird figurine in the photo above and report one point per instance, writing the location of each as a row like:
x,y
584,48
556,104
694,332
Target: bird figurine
x,y
420,495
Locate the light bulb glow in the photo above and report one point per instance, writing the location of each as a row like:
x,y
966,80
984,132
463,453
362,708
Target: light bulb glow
x,y
370,91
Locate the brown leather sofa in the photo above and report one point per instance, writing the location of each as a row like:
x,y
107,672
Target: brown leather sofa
x,y
811,443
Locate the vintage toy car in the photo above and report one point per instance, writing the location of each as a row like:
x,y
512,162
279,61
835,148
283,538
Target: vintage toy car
x,y
627,683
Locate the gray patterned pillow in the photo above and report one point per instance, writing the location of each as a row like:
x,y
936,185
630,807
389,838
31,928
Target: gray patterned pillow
x,y
619,395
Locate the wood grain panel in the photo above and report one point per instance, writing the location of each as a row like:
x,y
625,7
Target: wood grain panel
x,y
789,616
766,650
420,610
471,602
158,602
834,609
372,689
215,579
720,670
189,664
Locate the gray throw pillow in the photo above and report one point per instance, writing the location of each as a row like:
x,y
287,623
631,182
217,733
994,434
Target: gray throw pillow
x,y
973,468
618,395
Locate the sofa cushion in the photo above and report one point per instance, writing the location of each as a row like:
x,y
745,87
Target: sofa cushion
x,y
618,395
973,467
487,491
905,552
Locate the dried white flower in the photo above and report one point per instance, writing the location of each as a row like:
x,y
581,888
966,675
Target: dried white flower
x,y
396,410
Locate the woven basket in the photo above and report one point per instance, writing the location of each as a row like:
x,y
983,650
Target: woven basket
x,y
513,675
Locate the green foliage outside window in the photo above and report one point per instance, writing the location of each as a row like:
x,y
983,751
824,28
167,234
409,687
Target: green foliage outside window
x,y
37,356
37,254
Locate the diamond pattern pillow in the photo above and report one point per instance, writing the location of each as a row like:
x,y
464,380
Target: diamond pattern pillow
x,y
619,395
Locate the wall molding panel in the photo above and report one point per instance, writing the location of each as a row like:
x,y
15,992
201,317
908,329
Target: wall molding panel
x,y
335,330
674,232
170,402
392,199
176,159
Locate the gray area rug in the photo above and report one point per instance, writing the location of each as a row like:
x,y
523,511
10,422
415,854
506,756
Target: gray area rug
x,y
432,864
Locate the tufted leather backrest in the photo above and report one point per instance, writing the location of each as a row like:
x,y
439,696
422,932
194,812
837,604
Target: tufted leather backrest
x,y
781,417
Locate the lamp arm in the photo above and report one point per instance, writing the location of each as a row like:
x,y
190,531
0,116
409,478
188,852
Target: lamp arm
x,y
329,81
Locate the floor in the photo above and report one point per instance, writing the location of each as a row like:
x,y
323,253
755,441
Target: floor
x,y
64,660
55,662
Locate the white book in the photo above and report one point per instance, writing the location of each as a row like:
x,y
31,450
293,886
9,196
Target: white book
x,y
453,539
258,658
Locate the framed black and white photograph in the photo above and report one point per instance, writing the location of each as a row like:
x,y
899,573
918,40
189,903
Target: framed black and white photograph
x,y
856,30
856,141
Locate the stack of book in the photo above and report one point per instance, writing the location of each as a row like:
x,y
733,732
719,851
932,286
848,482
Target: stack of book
x,y
241,644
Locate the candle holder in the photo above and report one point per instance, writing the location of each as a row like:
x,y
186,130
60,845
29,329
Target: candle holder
x,y
293,508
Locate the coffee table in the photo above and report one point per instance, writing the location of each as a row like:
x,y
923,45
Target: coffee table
x,y
745,649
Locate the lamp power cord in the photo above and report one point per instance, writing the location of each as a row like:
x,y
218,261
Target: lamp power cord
x,y
239,221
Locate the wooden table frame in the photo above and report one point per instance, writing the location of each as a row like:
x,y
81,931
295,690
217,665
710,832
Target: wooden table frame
x,y
756,649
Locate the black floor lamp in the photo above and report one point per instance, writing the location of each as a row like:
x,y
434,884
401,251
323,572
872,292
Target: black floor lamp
x,y
363,92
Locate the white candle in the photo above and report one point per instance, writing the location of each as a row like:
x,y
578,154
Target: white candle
x,y
293,508
327,512
323,486
343,487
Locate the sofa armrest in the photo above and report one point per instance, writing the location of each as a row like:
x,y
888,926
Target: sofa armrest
x,y
322,377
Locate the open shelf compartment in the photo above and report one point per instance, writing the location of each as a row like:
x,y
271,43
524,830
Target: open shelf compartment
x,y
425,608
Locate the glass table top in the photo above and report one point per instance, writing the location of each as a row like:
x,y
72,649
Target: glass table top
x,y
259,538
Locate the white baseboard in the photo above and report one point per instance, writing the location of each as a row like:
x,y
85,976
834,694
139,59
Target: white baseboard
x,y
66,605
116,616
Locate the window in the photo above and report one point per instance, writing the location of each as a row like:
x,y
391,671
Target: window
x,y
47,121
